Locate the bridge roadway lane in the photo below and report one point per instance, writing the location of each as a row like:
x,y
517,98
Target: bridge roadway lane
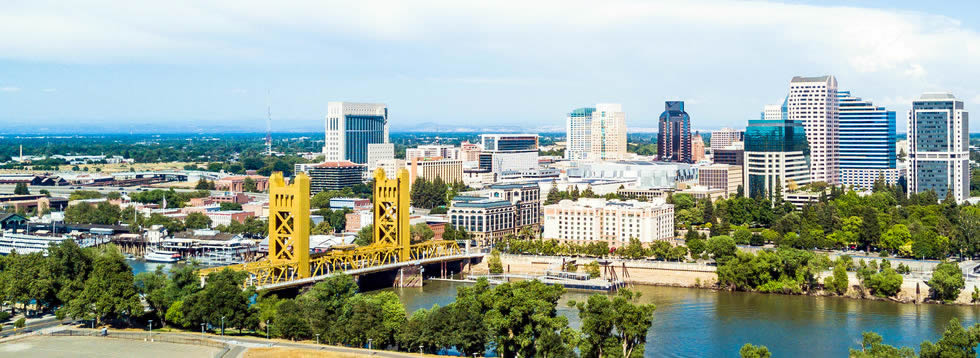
x,y
361,271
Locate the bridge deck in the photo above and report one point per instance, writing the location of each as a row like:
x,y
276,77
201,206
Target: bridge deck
x,y
366,270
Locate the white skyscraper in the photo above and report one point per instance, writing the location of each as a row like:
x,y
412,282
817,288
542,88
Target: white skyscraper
x,y
350,127
813,101
939,146
596,132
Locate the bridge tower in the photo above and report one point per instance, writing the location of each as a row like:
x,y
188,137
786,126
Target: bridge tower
x,y
289,222
391,209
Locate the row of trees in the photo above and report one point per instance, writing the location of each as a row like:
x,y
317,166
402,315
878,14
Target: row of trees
x,y
555,195
887,220
434,193
513,319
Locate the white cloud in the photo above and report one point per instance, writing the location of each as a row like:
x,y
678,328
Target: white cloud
x,y
9,89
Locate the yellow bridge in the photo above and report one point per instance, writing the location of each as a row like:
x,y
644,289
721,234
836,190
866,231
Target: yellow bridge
x,y
289,261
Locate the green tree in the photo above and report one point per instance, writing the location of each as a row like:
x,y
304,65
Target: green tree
x,y
229,206
722,248
249,185
494,263
175,315
896,237
202,184
109,291
222,296
523,320
197,221
421,232
955,342
872,346
21,189
593,269
946,282
838,282
751,351
611,327
365,236
742,236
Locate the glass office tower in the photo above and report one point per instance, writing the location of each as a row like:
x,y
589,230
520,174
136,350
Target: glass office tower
x,y
867,142
939,146
674,137
776,153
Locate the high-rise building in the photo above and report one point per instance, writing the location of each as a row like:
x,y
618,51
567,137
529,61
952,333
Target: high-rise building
x,y
590,220
813,101
867,142
697,147
350,127
776,154
596,132
509,152
774,112
674,136
726,137
939,146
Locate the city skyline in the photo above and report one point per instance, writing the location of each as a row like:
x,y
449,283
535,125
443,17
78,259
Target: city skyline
x,y
216,68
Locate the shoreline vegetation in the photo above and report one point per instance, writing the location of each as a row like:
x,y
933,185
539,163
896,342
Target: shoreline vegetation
x,y
863,280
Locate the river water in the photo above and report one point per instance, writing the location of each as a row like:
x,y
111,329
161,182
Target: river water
x,y
703,323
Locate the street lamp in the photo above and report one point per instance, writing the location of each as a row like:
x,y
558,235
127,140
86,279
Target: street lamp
x,y
420,350
318,339
266,329
151,326
202,329
369,343
222,325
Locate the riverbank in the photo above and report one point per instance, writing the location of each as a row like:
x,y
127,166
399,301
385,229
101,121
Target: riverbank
x,y
697,275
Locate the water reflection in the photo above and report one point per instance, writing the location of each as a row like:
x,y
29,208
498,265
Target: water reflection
x,y
704,323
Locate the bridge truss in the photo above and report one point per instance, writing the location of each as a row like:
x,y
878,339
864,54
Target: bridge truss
x,y
289,235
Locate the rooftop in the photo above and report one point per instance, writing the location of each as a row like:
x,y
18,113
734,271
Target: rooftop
x,y
936,95
811,79
337,164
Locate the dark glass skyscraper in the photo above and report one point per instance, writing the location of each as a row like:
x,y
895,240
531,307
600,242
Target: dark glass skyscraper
x,y
674,136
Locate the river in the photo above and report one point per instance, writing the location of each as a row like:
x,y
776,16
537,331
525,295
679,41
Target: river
x,y
704,323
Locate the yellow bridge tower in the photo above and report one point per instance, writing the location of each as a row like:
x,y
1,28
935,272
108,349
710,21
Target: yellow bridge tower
x,y
289,257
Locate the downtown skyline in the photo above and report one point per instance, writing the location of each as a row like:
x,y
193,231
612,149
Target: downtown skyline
x,y
216,67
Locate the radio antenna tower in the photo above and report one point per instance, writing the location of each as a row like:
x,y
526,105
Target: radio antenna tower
x,y
268,126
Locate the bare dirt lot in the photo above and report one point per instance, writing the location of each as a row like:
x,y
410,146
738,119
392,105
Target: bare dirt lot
x,y
58,347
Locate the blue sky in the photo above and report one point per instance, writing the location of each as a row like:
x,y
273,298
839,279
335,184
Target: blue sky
x,y
188,65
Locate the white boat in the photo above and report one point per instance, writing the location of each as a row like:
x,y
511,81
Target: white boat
x,y
157,255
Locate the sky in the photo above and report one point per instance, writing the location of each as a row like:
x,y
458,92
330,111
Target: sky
x,y
192,65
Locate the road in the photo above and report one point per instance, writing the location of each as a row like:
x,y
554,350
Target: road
x,y
8,330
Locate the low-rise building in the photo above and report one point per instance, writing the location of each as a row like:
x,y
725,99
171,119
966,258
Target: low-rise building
x,y
702,192
450,170
335,175
501,209
721,176
645,194
226,217
237,183
590,220
349,203
358,219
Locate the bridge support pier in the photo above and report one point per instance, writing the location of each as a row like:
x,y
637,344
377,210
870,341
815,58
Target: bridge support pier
x,y
410,276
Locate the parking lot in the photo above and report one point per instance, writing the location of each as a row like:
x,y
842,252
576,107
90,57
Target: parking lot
x,y
58,347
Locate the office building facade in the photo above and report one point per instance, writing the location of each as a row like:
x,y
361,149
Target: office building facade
x,y
589,220
721,176
449,170
351,127
379,152
697,148
939,146
867,142
776,154
596,132
334,175
725,138
433,150
501,209
813,101
674,136
506,152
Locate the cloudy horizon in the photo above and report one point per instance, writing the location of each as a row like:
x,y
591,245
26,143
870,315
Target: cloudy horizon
x,y
219,64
